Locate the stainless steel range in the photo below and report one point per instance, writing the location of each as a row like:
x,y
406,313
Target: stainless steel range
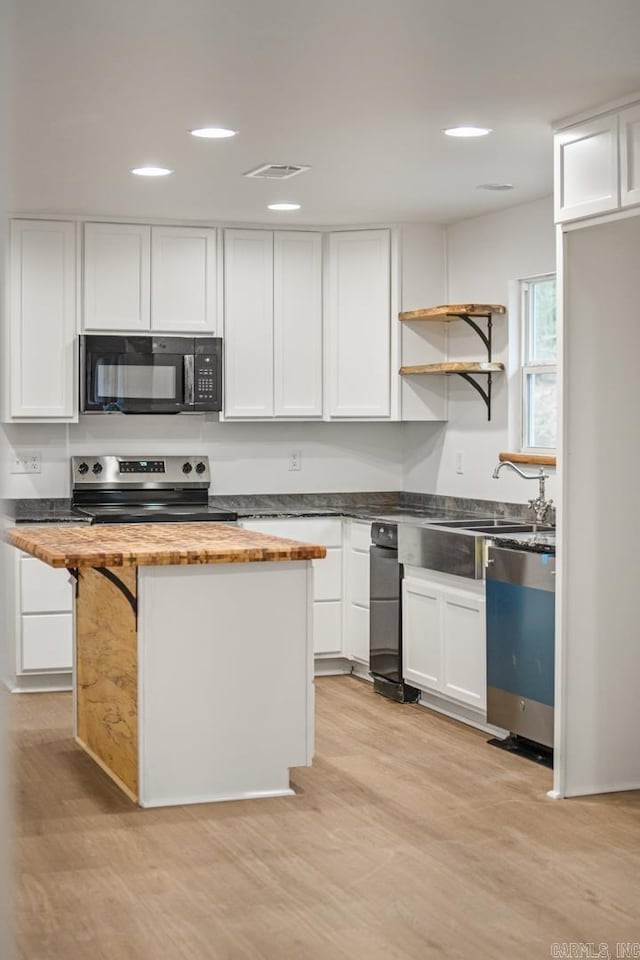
x,y
126,489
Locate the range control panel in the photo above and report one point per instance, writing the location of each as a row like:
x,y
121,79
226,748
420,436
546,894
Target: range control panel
x,y
110,472
141,466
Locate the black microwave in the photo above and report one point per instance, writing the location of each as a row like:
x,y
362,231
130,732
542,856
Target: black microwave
x,y
149,374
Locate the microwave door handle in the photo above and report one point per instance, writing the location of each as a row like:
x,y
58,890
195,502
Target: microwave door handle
x,y
189,379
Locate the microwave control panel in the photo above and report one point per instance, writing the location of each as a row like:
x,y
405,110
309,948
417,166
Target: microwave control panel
x,y
206,376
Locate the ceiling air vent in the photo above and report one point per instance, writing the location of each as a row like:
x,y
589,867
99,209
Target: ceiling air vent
x,y
276,171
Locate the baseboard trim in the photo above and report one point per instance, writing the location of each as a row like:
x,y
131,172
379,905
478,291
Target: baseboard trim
x,y
331,666
40,684
462,713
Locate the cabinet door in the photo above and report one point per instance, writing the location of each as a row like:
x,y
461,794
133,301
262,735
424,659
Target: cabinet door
x,y
358,633
586,169
116,276
327,628
47,642
359,328
248,323
44,589
422,639
183,279
465,662
42,351
630,156
297,299
357,592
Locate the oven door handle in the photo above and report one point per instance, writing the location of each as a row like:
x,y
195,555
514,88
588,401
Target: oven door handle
x,y
189,379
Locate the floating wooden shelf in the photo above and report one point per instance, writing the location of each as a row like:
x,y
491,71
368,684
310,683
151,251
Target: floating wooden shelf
x,y
461,366
464,368
540,459
453,311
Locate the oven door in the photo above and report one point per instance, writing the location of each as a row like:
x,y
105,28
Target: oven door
x,y
136,374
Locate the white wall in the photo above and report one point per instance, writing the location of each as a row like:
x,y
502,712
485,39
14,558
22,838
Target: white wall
x,y
598,707
486,257
245,458
6,950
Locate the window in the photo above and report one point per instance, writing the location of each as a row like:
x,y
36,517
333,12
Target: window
x,y
539,398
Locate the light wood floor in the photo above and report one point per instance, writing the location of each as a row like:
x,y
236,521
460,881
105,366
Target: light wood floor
x,y
410,837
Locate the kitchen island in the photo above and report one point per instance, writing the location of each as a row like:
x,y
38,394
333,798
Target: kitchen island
x,y
193,675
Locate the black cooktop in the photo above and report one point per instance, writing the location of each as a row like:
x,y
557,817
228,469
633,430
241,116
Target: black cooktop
x,y
156,513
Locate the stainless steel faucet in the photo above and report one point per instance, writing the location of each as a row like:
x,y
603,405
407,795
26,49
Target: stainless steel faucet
x,y
540,505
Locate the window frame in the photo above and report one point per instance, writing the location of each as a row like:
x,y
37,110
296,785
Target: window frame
x,y
528,366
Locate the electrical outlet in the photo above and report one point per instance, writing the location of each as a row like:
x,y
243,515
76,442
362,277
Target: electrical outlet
x,y
27,462
295,460
460,461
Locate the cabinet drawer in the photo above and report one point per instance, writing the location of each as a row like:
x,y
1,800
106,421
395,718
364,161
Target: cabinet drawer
x,y
47,642
360,535
359,578
327,627
43,589
327,531
327,576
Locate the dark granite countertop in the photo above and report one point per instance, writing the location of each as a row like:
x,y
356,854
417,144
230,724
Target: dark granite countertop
x,y
539,542
361,505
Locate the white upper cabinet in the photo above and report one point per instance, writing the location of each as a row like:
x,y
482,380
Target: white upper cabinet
x,y
359,328
42,320
142,278
248,326
297,302
183,279
630,156
586,169
273,324
117,273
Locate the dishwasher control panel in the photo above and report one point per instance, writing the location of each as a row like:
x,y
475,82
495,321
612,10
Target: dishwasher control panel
x,y
384,534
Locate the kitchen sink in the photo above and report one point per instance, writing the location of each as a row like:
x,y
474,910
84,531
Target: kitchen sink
x,y
494,525
472,523
456,546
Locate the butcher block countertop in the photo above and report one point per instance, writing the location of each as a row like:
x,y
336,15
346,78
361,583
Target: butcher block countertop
x,y
155,544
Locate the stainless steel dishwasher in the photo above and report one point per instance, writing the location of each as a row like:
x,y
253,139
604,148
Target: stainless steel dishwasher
x,y
385,629
521,644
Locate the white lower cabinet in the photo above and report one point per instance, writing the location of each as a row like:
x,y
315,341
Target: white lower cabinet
x,y
357,540
444,635
45,603
327,580
47,642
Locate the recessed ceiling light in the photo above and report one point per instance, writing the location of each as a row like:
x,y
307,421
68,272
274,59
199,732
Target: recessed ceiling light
x,y
467,131
283,206
151,171
213,133
495,186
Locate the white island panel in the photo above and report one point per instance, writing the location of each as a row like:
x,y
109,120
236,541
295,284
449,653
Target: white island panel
x,y
225,688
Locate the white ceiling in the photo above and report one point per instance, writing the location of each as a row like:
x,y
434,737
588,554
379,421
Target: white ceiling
x,y
359,89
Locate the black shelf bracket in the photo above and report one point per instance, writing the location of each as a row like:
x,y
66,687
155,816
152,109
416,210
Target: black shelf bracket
x,y
487,340
485,394
485,337
124,590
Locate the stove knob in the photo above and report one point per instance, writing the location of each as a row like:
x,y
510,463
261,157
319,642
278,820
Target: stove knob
x,y
97,468
186,467
200,467
83,468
